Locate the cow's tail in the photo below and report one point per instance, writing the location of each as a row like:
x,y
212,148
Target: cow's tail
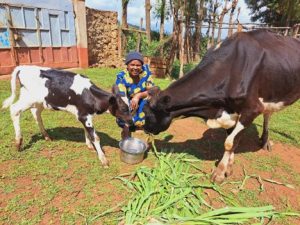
x,y
7,102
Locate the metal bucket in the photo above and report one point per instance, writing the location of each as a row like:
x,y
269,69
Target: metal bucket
x,y
132,150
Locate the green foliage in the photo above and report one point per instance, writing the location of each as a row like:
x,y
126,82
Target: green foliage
x,y
151,49
275,12
203,46
176,68
147,49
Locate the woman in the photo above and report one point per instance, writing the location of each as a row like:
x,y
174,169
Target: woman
x,y
133,83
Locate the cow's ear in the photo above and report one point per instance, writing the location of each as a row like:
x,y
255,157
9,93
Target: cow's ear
x,y
112,100
115,89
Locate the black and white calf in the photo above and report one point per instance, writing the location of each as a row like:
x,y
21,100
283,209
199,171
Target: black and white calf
x,y
43,87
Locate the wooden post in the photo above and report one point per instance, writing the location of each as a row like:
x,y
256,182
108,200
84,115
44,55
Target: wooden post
x,y
286,32
120,42
296,30
138,43
38,22
181,40
148,20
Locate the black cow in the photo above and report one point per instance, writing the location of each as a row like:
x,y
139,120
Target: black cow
x,y
249,74
43,87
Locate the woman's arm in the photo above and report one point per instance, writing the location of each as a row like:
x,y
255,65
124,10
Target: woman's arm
x,y
136,98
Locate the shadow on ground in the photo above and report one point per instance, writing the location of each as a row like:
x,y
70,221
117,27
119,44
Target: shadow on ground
x,y
211,145
72,134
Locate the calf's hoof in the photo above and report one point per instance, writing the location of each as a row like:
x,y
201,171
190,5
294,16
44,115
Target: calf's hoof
x,y
90,146
105,163
19,145
47,138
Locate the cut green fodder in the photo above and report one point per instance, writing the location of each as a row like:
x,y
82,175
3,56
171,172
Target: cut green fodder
x,y
174,193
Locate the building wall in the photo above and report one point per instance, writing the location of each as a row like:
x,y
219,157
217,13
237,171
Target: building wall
x,y
102,32
41,33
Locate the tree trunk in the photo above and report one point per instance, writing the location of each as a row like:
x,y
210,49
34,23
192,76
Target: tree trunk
x,y
138,43
186,43
230,30
174,44
124,25
162,20
214,15
198,25
124,13
221,18
148,22
182,38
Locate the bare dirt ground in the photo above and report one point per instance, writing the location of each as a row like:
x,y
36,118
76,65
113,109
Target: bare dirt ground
x,y
207,145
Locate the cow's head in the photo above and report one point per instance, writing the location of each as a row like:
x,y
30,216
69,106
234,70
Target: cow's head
x,y
118,107
157,118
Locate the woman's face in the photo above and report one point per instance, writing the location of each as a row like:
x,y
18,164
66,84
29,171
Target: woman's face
x,y
134,67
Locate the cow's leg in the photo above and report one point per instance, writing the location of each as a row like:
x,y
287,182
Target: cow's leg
x,y
36,113
86,120
87,140
24,103
265,134
225,165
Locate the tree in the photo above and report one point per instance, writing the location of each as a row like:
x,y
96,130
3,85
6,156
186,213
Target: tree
x,y
233,7
221,18
214,15
161,13
174,6
275,12
124,13
198,26
148,21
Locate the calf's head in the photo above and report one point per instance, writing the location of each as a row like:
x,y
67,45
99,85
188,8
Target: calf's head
x,y
119,108
157,118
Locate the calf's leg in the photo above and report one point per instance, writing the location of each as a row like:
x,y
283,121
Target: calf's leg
x,y
87,140
36,113
24,102
86,120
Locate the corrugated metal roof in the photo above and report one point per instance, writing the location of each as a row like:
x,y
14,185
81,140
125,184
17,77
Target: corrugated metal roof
x,y
63,5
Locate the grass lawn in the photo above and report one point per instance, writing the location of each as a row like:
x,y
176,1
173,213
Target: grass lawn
x,y
62,182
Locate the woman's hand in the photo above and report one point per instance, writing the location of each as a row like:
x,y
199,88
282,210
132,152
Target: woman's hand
x,y
134,103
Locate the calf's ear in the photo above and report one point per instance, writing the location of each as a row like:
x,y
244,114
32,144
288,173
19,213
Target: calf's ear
x,y
112,100
115,89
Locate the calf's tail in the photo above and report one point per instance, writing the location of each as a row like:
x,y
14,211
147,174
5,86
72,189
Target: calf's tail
x,y
7,102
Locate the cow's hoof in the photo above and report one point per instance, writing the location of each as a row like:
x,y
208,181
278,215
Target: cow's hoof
x,y
267,146
229,171
217,176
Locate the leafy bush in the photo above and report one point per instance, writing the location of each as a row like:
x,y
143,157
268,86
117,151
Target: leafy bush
x,y
176,68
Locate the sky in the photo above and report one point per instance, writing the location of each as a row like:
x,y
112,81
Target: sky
x,y
136,10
